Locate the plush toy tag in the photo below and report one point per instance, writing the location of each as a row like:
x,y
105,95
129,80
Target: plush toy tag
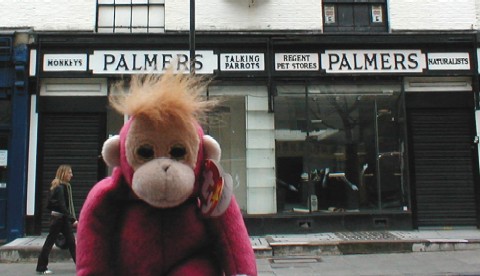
x,y
217,189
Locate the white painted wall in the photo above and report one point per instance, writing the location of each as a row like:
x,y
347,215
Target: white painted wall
x,y
48,15
477,14
216,15
213,15
419,15
235,15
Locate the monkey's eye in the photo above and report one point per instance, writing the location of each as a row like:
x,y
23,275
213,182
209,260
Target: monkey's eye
x,y
178,152
146,152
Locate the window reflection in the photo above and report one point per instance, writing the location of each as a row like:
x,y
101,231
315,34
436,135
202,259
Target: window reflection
x,y
5,112
340,148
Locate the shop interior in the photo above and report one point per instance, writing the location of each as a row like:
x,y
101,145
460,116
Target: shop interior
x,y
340,148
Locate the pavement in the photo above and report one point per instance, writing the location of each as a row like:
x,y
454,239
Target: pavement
x,y
366,242
316,244
441,263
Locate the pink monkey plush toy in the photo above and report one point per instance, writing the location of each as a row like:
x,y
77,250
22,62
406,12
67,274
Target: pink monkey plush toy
x,y
167,209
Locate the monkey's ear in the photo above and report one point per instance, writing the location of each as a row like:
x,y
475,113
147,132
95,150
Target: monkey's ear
x,y
211,148
111,151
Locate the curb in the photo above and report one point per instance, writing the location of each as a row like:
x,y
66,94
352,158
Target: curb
x,y
282,249
268,247
18,254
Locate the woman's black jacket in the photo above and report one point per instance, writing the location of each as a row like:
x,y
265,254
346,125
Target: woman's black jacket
x,y
59,201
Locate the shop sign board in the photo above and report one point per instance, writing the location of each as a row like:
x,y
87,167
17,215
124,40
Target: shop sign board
x,y
140,62
242,62
206,62
64,62
296,62
448,61
373,61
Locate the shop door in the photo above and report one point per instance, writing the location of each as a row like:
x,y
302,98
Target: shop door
x,y
75,139
443,158
3,184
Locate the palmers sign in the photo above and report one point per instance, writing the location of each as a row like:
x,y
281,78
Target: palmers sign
x,y
136,62
324,62
373,61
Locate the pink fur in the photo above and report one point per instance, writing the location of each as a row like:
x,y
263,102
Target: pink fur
x,y
121,234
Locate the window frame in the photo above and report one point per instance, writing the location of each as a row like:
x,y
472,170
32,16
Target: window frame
x,y
113,6
338,27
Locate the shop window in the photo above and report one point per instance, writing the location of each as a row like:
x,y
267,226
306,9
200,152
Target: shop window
x,y
340,148
244,128
354,16
227,125
130,16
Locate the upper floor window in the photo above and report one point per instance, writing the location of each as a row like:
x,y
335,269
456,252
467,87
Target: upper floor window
x,y
354,16
130,16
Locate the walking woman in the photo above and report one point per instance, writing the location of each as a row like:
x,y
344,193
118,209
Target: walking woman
x,y
62,217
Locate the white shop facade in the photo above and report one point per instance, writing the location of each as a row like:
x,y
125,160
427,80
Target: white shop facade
x,y
319,133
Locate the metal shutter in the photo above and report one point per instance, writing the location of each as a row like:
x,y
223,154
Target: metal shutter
x,y
74,139
442,157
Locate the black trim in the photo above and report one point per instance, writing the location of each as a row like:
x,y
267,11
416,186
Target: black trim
x,y
327,222
72,104
240,39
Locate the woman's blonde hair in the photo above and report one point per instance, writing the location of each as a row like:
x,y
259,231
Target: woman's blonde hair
x,y
60,177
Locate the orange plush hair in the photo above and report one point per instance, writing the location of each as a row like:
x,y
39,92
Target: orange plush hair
x,y
163,97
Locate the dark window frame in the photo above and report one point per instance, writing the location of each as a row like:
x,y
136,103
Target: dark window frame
x,y
345,22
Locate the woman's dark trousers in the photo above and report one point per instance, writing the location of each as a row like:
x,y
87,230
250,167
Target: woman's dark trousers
x,y
58,224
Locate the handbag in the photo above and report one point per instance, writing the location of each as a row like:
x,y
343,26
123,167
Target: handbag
x,y
61,241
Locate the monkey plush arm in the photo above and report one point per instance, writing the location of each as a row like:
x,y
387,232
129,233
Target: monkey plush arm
x,y
96,231
233,242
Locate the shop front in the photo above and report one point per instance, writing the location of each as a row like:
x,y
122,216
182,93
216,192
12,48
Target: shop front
x,y
13,134
319,133
72,117
375,134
